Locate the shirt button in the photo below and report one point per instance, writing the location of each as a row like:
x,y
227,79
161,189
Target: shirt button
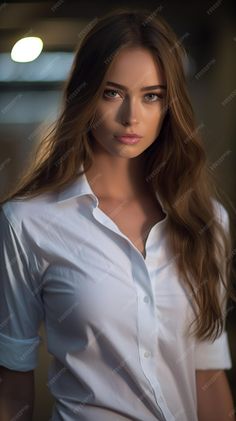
x,y
146,299
147,354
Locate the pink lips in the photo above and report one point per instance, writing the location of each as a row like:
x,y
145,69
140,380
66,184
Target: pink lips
x,y
128,139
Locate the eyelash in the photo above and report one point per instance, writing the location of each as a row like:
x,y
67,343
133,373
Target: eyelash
x,y
114,90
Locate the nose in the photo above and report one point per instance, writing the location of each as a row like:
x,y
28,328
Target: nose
x,y
129,112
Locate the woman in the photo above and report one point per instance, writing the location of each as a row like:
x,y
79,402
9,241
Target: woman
x,y
115,239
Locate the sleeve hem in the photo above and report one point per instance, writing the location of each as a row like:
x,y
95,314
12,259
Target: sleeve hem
x,y
19,354
214,355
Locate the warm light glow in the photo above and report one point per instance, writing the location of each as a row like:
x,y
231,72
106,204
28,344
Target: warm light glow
x,y
27,49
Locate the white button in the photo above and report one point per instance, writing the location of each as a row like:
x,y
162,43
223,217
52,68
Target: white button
x,y
146,299
147,354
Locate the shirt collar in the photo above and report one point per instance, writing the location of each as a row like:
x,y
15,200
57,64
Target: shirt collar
x,y
81,187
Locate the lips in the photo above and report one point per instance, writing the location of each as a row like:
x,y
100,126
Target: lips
x,y
128,140
129,135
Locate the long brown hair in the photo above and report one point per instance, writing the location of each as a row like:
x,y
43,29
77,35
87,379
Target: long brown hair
x,y
176,165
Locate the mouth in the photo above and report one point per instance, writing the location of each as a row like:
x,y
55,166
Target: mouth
x,y
128,139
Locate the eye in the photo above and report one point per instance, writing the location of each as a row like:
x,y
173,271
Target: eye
x,y
155,94
108,91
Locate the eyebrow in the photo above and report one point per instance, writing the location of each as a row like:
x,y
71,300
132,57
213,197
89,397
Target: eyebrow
x,y
144,88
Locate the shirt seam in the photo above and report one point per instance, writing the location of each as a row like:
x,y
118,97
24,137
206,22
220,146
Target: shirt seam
x,y
31,266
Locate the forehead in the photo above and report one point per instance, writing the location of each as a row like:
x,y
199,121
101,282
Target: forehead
x,y
135,67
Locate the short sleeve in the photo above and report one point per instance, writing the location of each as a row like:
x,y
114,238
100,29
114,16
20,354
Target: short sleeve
x,y
21,310
215,355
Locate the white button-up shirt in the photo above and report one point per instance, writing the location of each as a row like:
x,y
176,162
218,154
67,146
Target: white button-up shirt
x,y
114,320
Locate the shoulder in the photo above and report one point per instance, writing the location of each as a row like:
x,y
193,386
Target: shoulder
x,y
17,212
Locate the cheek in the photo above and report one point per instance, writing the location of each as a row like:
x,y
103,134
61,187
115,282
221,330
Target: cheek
x,y
99,125
99,133
153,121
103,118
153,112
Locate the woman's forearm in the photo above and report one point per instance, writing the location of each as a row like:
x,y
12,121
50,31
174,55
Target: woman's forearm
x,y
215,402
16,395
13,409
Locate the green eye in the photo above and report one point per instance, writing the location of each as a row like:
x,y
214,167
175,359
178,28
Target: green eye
x,y
158,96
107,92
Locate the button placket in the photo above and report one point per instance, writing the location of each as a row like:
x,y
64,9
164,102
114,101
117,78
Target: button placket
x,y
146,324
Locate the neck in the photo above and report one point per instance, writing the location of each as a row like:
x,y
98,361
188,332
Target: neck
x,y
118,178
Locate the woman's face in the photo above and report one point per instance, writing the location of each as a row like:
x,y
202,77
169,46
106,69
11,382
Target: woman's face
x,y
130,109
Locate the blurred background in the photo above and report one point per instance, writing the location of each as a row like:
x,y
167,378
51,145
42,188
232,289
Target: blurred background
x,y
31,93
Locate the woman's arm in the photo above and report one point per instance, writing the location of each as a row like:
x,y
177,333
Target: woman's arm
x,y
215,402
16,395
